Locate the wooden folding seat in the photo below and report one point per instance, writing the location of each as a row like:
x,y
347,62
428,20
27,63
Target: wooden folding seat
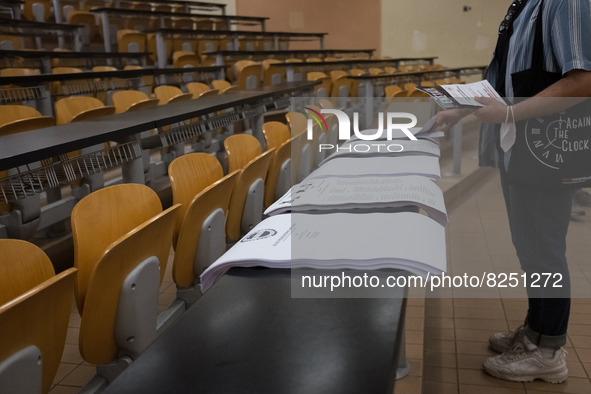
x,y
264,44
35,309
10,43
313,60
279,176
324,88
170,94
223,86
131,41
37,10
200,90
199,185
79,108
341,87
249,75
104,68
272,75
390,70
246,204
394,91
334,74
122,241
303,157
17,72
182,59
375,71
88,21
132,100
152,47
17,118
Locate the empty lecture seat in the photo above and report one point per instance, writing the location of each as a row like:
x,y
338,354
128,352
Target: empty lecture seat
x,y
132,100
223,86
279,175
17,72
182,59
204,193
131,41
272,75
200,90
34,315
171,94
303,152
122,240
17,118
79,108
37,10
246,204
324,88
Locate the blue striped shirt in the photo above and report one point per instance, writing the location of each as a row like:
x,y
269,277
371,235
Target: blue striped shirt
x,y
567,46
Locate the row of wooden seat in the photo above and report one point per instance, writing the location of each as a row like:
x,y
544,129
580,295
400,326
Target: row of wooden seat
x,y
111,244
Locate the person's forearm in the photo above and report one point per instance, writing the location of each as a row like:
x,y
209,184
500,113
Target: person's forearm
x,y
566,92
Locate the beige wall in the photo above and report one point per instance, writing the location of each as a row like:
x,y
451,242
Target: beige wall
x,y
397,28
414,28
351,24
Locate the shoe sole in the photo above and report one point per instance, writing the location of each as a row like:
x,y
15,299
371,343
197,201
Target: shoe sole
x,y
556,378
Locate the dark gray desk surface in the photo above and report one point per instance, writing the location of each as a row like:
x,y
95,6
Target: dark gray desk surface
x,y
30,146
247,335
121,11
172,32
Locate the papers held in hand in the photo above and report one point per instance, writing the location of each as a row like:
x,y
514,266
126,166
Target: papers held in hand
x,y
338,241
460,95
363,194
427,166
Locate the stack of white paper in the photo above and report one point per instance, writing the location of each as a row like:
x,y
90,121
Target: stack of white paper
x,y
426,166
363,194
372,241
364,149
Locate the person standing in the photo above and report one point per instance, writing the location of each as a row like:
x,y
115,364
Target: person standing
x,y
538,218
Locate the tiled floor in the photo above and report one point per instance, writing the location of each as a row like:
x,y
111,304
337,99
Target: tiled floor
x,y
446,338
457,329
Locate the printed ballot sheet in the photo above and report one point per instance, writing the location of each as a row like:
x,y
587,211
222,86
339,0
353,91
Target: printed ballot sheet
x,y
426,166
338,241
365,149
363,194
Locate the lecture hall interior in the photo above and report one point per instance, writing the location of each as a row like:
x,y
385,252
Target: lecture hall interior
x,y
180,211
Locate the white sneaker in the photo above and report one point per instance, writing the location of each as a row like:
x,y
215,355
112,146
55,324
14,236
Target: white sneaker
x,y
502,341
524,362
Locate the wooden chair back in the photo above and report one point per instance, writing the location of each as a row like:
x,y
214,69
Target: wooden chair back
x,y
39,317
223,86
132,100
182,59
189,175
241,149
198,89
250,77
103,68
276,133
97,341
276,166
170,94
79,108
186,266
94,228
254,170
18,72
131,41
17,118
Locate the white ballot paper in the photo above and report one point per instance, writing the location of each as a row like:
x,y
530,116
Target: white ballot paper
x,y
407,241
363,194
397,134
343,167
364,149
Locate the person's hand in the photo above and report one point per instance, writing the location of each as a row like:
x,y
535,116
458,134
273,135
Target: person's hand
x,y
493,111
445,120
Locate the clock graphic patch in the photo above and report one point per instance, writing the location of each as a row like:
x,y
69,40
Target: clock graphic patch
x,y
551,140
